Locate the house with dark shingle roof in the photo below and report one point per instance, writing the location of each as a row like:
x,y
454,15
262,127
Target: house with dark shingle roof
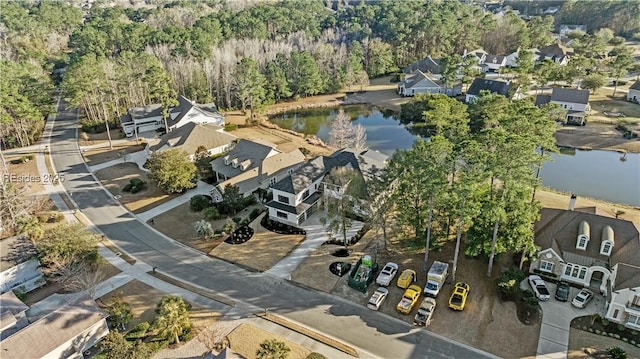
x,y
493,86
493,63
555,52
251,165
594,251
192,136
298,196
419,82
575,101
428,65
634,93
149,118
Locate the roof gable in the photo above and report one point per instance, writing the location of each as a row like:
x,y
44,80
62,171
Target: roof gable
x,y
493,86
420,78
570,95
635,86
192,135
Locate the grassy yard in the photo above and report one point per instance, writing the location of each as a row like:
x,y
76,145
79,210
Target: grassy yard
x,y
114,178
602,102
26,175
143,300
246,339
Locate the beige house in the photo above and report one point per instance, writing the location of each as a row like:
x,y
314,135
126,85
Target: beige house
x,y
594,251
251,165
193,135
64,333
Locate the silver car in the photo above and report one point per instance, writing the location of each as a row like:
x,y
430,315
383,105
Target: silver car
x,y
377,298
582,298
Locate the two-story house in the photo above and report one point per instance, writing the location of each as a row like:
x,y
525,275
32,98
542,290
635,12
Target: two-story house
x,y
194,136
250,165
419,82
555,52
150,118
493,86
575,101
428,65
594,251
298,196
19,266
493,63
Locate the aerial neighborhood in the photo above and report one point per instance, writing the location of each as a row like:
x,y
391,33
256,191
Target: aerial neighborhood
x,y
320,179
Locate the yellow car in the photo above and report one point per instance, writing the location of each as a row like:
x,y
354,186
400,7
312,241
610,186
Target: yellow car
x,y
459,296
407,277
409,299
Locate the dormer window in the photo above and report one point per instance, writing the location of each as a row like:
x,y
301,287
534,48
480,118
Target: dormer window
x,y
245,164
584,232
607,241
235,163
226,160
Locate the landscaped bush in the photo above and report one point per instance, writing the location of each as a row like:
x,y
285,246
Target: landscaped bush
x,y
249,201
244,222
230,127
25,159
135,185
281,228
127,187
138,332
199,202
211,213
236,219
509,283
316,356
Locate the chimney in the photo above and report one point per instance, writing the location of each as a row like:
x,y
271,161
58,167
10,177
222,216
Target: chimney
x,y
572,202
260,173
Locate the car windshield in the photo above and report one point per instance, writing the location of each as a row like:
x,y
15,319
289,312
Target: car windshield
x,y
563,290
431,285
580,298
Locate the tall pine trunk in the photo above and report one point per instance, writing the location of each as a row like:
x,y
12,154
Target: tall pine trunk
x,y
425,266
458,237
494,238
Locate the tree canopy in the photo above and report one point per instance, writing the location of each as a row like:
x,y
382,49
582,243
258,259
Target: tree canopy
x,y
171,170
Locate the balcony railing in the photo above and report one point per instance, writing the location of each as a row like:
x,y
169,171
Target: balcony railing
x,y
634,307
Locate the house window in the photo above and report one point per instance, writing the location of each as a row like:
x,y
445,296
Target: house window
x,y
606,248
305,194
290,171
272,181
546,266
281,214
582,242
283,199
583,273
615,313
636,301
634,320
575,271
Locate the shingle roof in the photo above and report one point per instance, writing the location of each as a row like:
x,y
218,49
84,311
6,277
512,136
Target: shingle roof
x,y
556,49
190,136
493,86
427,65
558,229
254,151
635,86
416,77
627,276
542,100
494,59
48,333
570,95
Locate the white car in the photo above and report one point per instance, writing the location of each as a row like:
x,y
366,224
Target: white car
x,y
423,317
539,287
387,274
377,298
582,298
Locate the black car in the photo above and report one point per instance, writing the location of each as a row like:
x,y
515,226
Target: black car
x,y
562,292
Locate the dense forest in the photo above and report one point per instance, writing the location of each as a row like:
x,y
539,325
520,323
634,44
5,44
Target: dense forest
x,y
238,54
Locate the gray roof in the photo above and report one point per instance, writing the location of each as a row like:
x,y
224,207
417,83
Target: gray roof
x,y
494,59
493,86
542,100
367,163
15,250
428,65
183,107
52,331
558,229
635,86
416,77
570,95
190,136
187,107
244,150
556,50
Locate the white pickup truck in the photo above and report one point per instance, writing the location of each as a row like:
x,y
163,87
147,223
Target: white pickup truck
x,y
539,287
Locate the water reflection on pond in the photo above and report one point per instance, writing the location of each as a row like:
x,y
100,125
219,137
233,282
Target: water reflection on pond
x,y
605,175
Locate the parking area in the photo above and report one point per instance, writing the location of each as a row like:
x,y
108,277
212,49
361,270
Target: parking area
x,y
556,320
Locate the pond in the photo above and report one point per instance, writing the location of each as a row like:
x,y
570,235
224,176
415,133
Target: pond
x,y
597,174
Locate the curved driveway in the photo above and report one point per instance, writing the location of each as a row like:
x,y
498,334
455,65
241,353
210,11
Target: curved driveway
x,y
381,335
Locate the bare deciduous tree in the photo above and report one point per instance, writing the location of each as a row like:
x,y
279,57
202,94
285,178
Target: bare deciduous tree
x,y
360,138
84,279
342,131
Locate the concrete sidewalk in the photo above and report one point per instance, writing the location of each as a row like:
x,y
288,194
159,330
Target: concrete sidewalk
x,y
316,235
202,188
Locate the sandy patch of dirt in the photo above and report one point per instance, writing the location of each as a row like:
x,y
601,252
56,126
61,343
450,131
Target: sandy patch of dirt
x,y
104,154
262,251
602,101
114,178
26,175
246,340
285,142
89,139
596,136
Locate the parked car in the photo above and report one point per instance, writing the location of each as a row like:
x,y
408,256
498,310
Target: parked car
x,y
407,277
425,312
377,298
583,298
539,287
387,274
409,299
458,298
562,291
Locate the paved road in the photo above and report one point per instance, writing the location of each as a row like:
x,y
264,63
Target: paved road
x,y
381,335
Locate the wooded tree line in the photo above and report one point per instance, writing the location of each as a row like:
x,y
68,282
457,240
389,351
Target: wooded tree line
x,y
476,174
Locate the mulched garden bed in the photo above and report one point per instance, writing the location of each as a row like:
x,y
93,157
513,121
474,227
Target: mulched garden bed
x,y
340,268
342,252
601,326
280,228
240,235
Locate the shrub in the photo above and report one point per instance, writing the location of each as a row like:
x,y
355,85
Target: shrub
x,y
127,187
25,159
230,127
138,332
136,182
211,213
305,152
254,213
136,189
605,322
509,283
249,201
316,356
244,222
199,202
237,219
217,232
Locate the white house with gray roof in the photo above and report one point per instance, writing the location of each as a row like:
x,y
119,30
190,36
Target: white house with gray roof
x,y
419,82
594,251
192,136
149,118
298,196
250,165
19,266
575,101
634,93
